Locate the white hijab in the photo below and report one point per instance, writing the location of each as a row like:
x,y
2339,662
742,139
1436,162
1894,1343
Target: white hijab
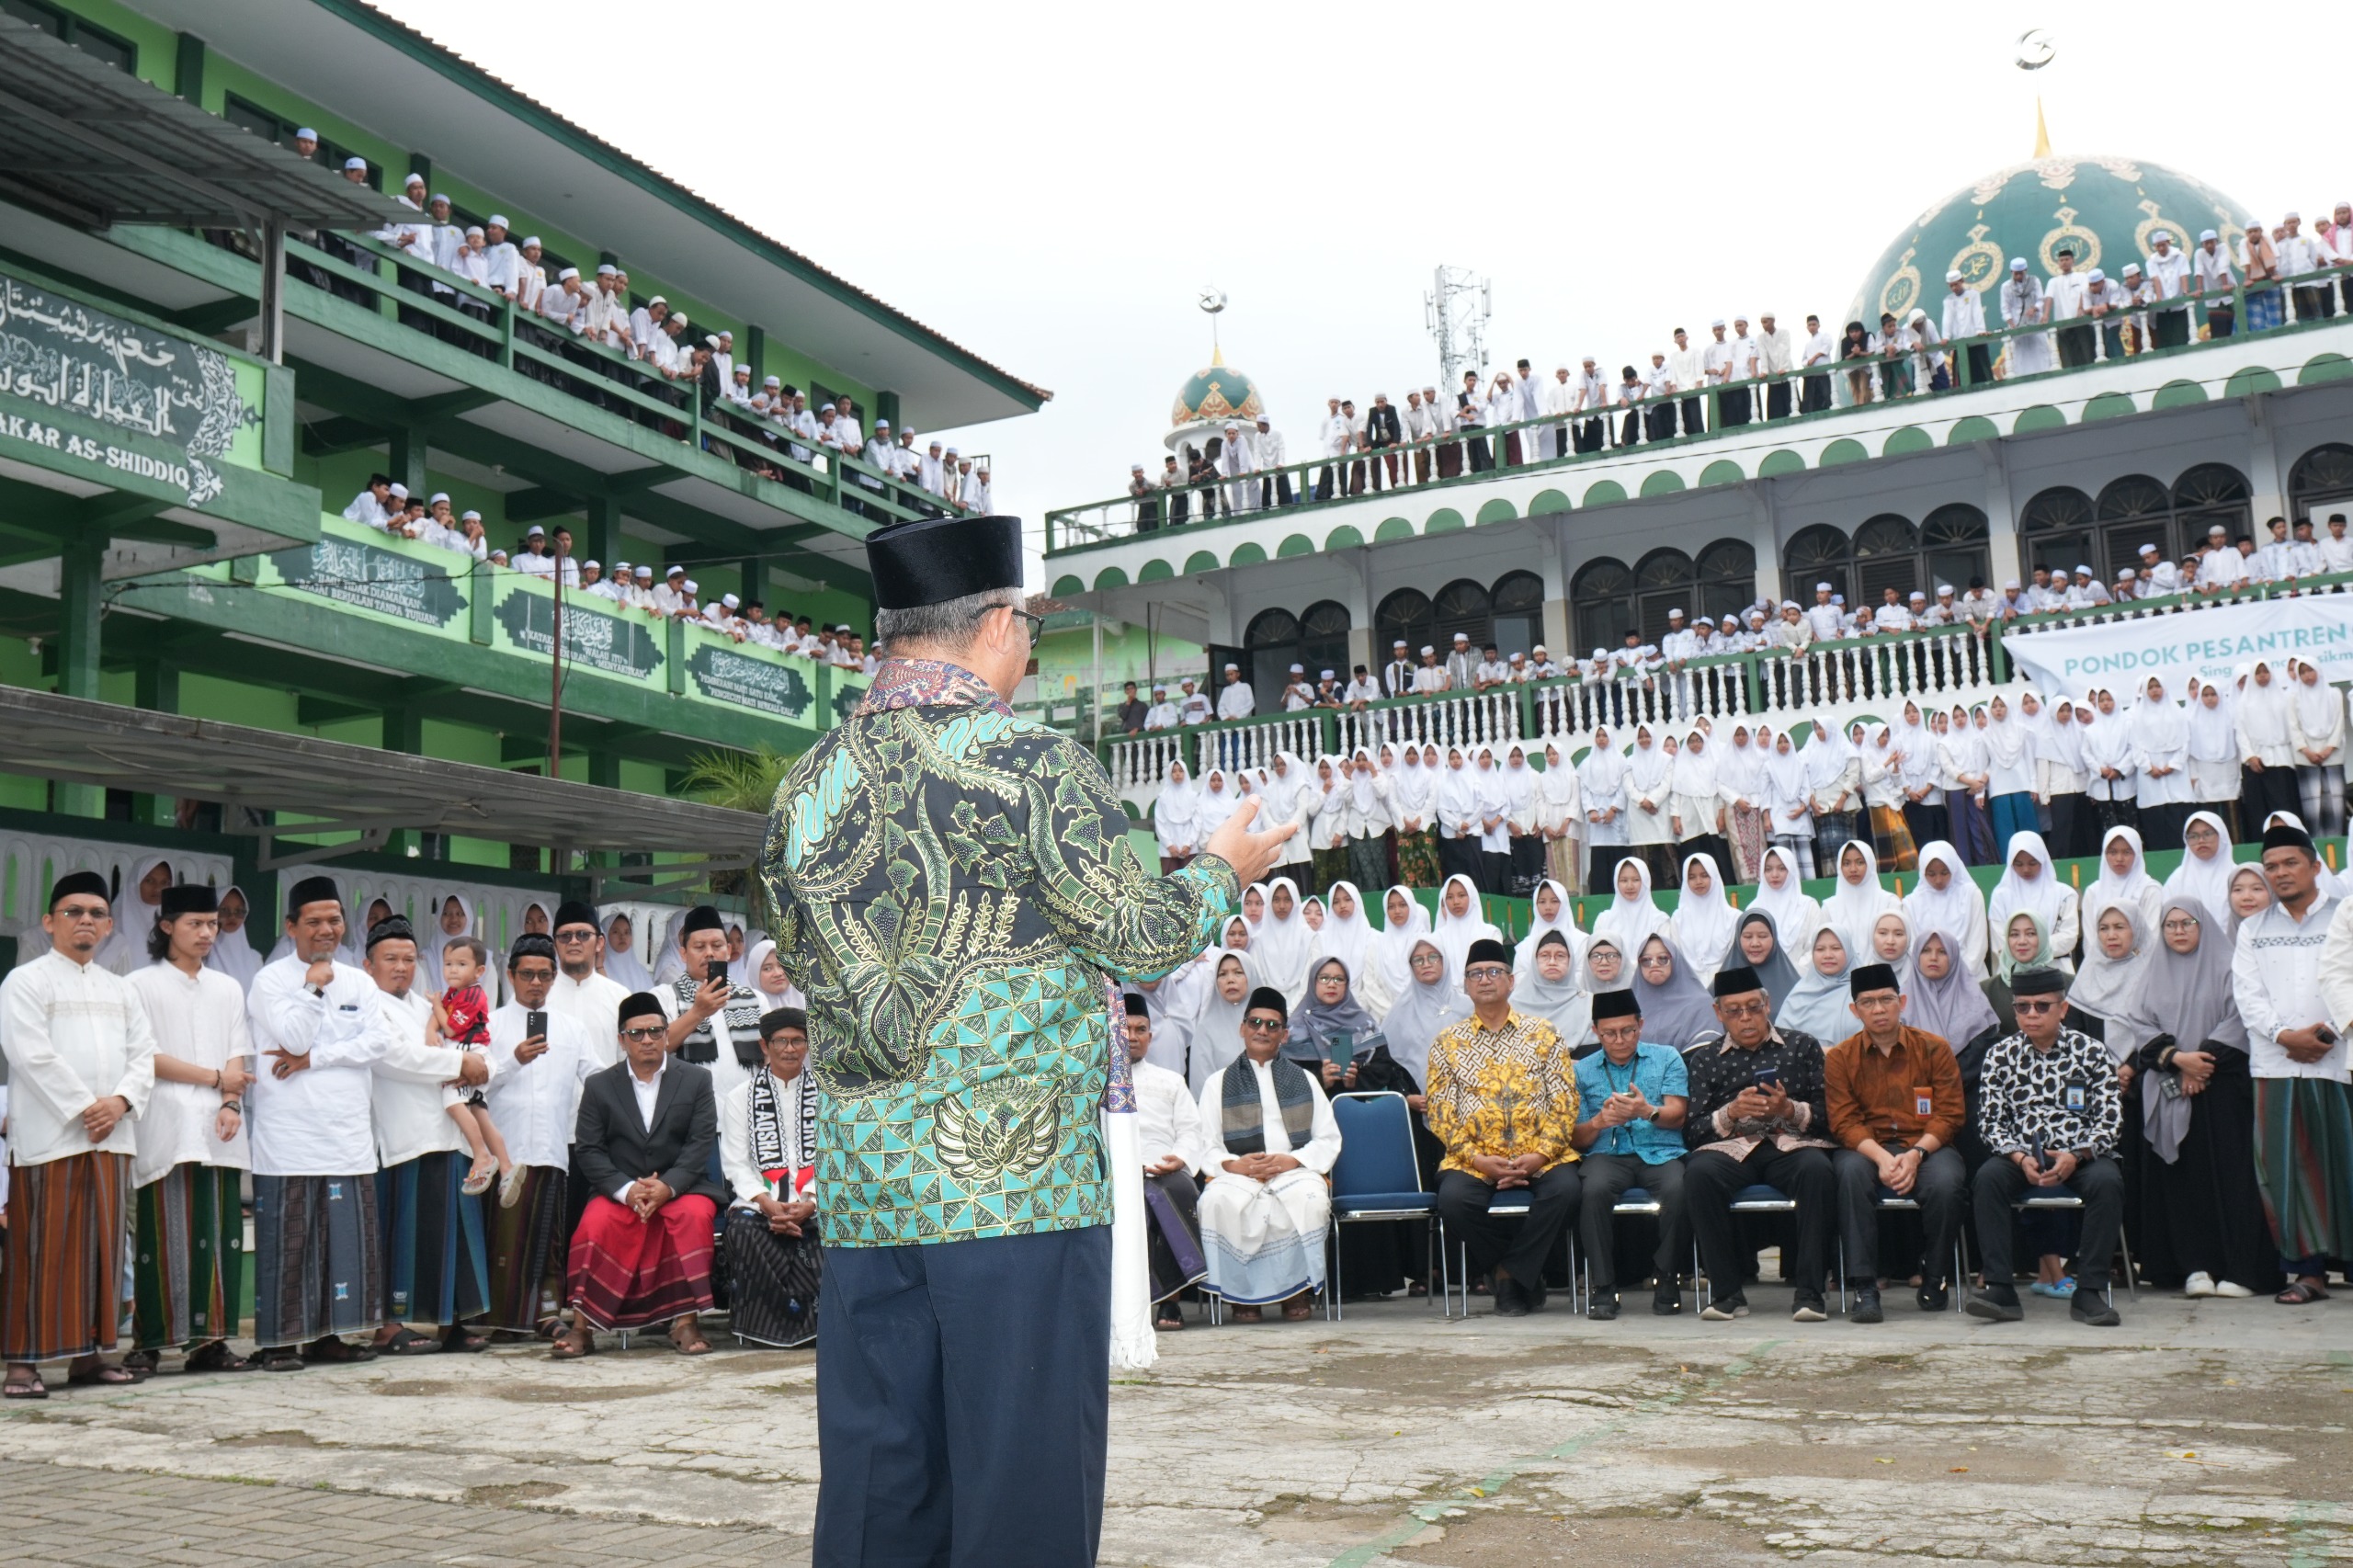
x,y
626,969
1455,933
1284,948
1422,1009
1630,921
1178,804
1523,960
1958,910
1853,907
2014,896
1395,953
2109,989
233,955
1355,943
1703,925
2135,887
1795,915
2207,882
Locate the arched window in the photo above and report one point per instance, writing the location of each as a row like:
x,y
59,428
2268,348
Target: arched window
x,y
1727,578
1664,580
2321,480
1517,601
1601,605
1953,548
1404,616
2058,528
1463,606
1316,640
1887,555
2130,512
1818,554
2204,495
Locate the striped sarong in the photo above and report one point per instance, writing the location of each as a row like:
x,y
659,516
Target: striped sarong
x,y
2303,1163
629,1273
772,1281
189,1262
436,1265
318,1261
526,1251
67,1221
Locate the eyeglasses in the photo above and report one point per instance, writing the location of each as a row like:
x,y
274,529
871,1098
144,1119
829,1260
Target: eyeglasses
x,y
2037,1007
1036,623
576,934
1262,1025
1740,1009
1486,971
535,976
650,1031
1425,960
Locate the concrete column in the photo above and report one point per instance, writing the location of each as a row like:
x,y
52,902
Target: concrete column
x,y
405,458
2266,475
1765,539
78,599
157,681
1555,560
601,532
2001,519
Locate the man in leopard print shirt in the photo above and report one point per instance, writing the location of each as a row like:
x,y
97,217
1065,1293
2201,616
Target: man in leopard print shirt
x,y
2050,1111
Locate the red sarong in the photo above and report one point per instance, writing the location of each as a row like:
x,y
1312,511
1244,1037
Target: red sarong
x,y
626,1273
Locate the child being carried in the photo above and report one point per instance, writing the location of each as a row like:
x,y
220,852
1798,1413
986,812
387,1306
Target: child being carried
x,y
461,1019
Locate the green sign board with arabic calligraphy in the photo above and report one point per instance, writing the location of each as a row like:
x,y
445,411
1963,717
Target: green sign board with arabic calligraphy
x,y
123,396
598,635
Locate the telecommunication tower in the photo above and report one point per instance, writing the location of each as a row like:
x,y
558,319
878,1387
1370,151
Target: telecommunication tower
x,y
1456,310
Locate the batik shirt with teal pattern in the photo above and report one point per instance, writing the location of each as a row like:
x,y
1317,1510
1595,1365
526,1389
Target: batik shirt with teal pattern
x,y
955,890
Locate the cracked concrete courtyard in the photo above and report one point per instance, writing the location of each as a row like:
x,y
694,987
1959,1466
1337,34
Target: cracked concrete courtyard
x,y
2200,1433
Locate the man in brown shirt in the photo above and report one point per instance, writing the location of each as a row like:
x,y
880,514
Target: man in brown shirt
x,y
1896,1107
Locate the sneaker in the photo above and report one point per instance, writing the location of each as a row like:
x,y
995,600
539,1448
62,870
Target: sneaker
x,y
1724,1308
2091,1309
1666,1302
2061,1290
1603,1307
2198,1284
1935,1297
2231,1290
1867,1307
1808,1308
1995,1304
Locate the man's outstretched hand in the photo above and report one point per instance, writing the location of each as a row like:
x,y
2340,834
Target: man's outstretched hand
x,y
1252,855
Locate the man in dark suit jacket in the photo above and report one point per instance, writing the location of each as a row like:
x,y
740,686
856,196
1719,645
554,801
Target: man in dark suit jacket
x,y
648,1128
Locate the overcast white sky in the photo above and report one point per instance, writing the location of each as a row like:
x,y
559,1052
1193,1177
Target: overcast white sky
x,y
1069,176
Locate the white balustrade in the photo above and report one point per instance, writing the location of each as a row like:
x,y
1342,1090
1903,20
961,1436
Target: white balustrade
x,y
1255,745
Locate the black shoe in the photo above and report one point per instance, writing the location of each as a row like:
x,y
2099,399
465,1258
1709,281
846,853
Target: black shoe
x,y
1867,1307
1724,1309
1936,1298
1511,1301
1668,1300
1534,1293
1808,1308
2091,1308
1603,1308
1995,1304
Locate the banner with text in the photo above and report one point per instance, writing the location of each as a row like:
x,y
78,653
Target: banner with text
x,y
2210,643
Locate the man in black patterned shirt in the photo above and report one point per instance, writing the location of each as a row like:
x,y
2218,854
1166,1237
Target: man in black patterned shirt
x,y
1758,1117
2050,1111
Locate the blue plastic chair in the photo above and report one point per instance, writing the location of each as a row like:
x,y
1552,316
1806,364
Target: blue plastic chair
x,y
1884,1198
1636,1200
2065,1197
1513,1201
1376,1176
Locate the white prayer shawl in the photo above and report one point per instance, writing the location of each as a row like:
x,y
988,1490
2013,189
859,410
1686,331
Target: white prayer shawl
x,y
1494,805
1412,795
1853,908
1455,933
1697,783
1458,803
1958,909
2107,743
2265,725
1557,797
1630,922
1786,799
2318,713
1703,925
1796,916
1740,772
1518,781
2009,767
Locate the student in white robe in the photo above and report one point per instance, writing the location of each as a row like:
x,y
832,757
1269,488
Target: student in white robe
x,y
1560,816
2316,722
2123,879
1271,1141
2214,774
1704,920
2030,885
1284,944
1650,802
1632,917
2161,751
1789,805
1947,899
1460,922
1780,893
1859,899
1601,784
1175,812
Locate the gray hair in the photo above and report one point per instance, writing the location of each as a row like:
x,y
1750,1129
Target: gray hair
x,y
949,627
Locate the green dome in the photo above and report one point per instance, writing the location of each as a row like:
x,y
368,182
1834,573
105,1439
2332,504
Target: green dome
x,y
1219,391
2105,207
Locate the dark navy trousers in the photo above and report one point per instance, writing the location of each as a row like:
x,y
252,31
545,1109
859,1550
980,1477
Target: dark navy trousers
x,y
962,1393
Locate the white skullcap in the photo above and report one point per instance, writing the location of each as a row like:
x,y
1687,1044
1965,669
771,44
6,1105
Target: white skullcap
x,y
1789,604
1399,644
304,134
1132,468
592,566
620,565
498,555
568,273
2124,574
1822,587
691,587
2148,550
2205,234
1540,647
882,424
1837,599
1233,669
1329,675
2010,583
1954,275
1462,637
607,270
1715,324
1299,669
438,196
731,601
727,334
646,571
438,496
2083,571
400,490
414,178
1676,614
657,300
2017,264
473,231
2168,234
2131,267
354,162
496,219
534,531
2293,218
469,516
1921,597
675,572
773,382
530,241
2218,528
2096,276
1428,649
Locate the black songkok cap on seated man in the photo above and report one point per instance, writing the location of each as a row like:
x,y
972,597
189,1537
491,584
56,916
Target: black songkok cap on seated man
x,y
311,890
188,898
701,917
2280,835
2038,982
1738,981
1136,1005
1266,996
931,561
391,928
573,912
74,883
777,1019
1871,977
1609,1004
639,1004
1486,950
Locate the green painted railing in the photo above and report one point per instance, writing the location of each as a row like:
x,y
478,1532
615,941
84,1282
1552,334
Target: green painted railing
x,y
1123,517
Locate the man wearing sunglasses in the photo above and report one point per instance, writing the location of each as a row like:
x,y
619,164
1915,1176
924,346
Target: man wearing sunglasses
x,y
534,1098
2050,1111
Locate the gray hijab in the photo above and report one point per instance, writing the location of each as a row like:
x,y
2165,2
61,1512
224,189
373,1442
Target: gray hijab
x,y
1778,974
1422,1009
2189,997
1678,1012
1565,1004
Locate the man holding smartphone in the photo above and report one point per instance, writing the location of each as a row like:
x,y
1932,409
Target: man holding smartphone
x,y
2291,975
2051,1110
714,1013
1758,1117
541,1057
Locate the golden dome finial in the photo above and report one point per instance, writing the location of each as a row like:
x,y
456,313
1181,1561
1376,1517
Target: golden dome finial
x,y
2041,133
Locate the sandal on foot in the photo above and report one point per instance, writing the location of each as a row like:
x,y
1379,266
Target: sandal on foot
x,y
405,1341
698,1345
459,1341
335,1353
282,1360
478,1181
217,1358
568,1349
142,1363
102,1376
27,1387
510,1188
2301,1293
1167,1325
1298,1312
1249,1314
